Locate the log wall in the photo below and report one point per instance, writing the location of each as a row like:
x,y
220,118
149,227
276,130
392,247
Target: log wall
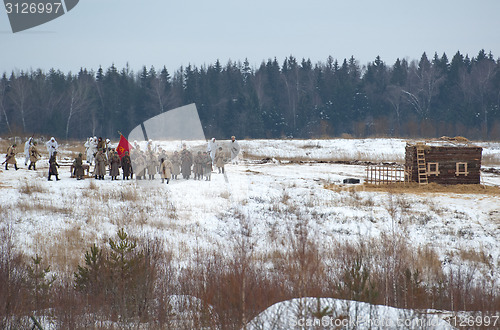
x,y
447,158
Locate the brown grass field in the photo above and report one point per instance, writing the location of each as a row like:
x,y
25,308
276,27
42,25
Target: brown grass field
x,y
415,188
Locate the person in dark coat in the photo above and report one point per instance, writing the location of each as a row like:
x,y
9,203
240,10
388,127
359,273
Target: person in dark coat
x,y
53,166
198,166
176,165
115,166
101,144
100,165
186,163
78,167
126,166
207,166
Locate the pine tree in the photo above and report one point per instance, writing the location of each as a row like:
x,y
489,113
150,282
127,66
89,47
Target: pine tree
x,y
90,277
39,282
399,72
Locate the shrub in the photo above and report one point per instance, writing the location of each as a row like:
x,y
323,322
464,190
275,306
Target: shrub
x,y
120,278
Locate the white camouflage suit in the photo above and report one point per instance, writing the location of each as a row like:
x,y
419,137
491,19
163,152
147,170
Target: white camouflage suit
x,y
52,146
235,150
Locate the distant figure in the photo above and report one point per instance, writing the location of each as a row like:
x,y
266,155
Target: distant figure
x,y
109,155
161,154
151,162
91,146
219,160
165,170
78,167
52,146
126,166
100,165
53,166
114,171
139,164
186,162
198,166
176,165
34,156
212,149
101,144
235,150
27,146
207,166
10,158
88,151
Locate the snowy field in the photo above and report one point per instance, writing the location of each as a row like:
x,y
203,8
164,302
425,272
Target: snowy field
x,y
60,220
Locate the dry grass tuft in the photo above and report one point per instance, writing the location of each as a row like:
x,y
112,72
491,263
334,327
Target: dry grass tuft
x,y
428,261
64,249
415,188
335,156
92,185
311,146
29,187
4,144
128,195
225,194
474,256
29,204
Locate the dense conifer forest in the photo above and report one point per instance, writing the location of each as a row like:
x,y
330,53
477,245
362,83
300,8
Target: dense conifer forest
x,y
292,98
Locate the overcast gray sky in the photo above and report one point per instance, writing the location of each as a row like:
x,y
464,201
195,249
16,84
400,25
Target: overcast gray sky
x,y
182,32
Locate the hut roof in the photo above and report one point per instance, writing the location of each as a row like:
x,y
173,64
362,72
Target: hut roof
x,y
445,141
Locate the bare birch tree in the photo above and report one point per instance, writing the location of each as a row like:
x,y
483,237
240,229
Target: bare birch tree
x,y
394,95
3,96
424,82
19,95
481,76
79,98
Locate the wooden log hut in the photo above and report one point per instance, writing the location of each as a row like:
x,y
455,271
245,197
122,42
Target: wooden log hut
x,y
443,162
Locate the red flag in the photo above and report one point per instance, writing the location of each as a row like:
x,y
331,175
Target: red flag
x,y
123,146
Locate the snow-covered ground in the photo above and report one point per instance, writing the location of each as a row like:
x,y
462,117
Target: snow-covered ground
x,y
328,313
61,219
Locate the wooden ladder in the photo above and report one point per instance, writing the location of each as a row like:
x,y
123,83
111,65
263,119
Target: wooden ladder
x,y
421,165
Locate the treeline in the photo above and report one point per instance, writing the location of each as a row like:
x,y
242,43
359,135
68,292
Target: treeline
x,y
429,97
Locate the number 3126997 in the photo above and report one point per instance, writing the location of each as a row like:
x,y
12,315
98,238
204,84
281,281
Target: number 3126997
x,y
33,7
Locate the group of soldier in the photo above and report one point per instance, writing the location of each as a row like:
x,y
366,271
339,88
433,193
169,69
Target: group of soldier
x,y
170,167
99,152
152,160
32,155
